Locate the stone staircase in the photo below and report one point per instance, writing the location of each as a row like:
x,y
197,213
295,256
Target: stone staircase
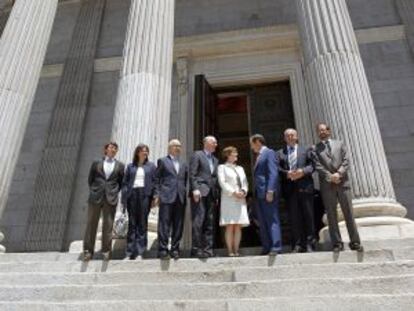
x,y
381,279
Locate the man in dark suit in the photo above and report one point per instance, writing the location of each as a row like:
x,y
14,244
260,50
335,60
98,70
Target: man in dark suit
x,y
204,192
105,180
171,188
332,163
266,188
296,168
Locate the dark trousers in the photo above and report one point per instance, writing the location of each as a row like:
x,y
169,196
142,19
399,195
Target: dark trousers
x,y
170,219
331,195
300,206
108,214
138,206
203,232
268,216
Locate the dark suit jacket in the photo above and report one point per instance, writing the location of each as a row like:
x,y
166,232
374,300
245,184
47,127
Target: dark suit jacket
x,y
169,184
304,162
327,164
129,178
201,177
266,174
100,187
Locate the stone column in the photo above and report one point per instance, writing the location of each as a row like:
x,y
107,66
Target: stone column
x,y
22,51
339,95
142,111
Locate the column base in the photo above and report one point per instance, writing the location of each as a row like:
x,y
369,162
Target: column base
x,y
376,232
2,248
363,208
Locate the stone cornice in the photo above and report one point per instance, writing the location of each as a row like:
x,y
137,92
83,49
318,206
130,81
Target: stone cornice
x,y
244,41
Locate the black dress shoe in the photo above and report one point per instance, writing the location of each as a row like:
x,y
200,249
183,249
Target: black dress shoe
x,y
175,255
87,256
163,255
264,253
273,253
338,248
356,247
298,249
202,255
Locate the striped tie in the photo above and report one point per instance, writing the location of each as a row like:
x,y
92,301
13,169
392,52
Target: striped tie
x,y
292,158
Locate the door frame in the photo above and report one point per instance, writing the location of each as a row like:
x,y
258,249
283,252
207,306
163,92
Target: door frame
x,y
261,75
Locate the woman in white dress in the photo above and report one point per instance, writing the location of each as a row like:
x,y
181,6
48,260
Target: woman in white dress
x,y
233,210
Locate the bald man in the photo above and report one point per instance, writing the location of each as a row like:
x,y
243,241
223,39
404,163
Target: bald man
x,y
171,188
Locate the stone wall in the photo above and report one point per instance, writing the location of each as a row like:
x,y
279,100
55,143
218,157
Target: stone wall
x,y
389,66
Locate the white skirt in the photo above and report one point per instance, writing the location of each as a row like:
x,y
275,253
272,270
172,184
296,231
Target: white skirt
x,y
233,211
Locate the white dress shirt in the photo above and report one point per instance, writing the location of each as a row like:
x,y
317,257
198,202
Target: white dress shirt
x,y
108,166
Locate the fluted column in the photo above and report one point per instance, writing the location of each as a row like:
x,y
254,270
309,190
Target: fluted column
x,y
22,50
339,95
142,111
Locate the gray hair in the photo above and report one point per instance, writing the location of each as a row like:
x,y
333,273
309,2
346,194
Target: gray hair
x,y
290,130
209,138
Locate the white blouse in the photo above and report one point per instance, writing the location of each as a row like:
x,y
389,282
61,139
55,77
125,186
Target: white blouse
x,y
139,181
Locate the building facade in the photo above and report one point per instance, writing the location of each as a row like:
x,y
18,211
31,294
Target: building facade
x,y
141,70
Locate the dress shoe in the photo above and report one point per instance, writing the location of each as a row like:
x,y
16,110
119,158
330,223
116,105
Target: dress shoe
x,y
298,249
310,248
273,253
175,255
106,256
163,255
86,256
356,247
338,248
202,255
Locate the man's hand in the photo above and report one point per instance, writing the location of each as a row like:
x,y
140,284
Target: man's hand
x,y
196,196
296,174
336,178
269,196
155,202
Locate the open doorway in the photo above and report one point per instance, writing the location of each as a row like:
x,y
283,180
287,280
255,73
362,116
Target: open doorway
x,y
233,114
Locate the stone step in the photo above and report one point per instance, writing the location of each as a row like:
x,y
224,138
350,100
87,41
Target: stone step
x,y
395,285
342,302
241,274
37,265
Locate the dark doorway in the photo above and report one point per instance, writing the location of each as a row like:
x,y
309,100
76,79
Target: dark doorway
x,y
232,114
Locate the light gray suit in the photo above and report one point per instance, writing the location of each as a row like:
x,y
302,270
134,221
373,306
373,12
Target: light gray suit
x,y
328,162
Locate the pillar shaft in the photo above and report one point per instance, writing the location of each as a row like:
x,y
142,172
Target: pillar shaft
x,y
142,111
22,50
339,95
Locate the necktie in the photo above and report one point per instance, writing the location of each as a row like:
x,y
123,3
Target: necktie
x,y
328,146
292,158
210,162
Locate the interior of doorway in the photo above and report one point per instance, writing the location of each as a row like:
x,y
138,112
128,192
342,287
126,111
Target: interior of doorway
x,y
233,114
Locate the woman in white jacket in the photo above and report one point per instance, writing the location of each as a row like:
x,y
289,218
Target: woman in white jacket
x,y
233,210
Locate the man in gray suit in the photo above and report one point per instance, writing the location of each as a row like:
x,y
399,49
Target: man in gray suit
x,y
204,192
105,181
332,163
